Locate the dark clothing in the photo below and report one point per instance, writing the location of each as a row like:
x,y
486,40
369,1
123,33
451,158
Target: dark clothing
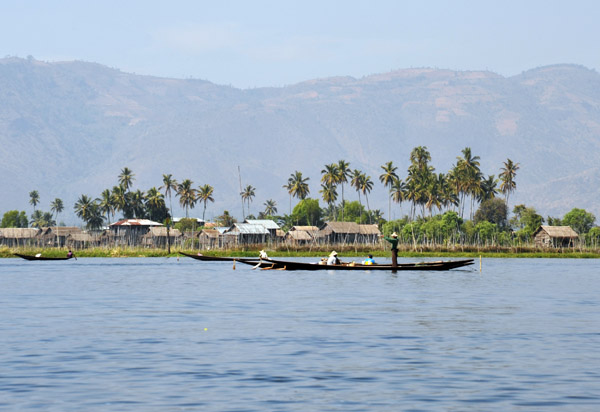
x,y
394,242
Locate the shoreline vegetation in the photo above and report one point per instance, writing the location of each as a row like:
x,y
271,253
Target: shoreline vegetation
x,y
343,251
457,213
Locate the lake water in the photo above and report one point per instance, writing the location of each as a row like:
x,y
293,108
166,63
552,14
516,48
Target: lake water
x,y
158,334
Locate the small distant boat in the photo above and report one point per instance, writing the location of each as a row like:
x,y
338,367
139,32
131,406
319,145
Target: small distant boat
x,y
40,257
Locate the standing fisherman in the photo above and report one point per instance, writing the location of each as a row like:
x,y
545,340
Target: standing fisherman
x,y
393,239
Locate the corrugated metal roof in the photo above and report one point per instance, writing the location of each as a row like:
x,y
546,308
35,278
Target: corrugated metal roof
x,y
269,224
136,222
248,229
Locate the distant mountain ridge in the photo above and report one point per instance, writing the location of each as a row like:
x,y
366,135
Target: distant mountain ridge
x,y
68,129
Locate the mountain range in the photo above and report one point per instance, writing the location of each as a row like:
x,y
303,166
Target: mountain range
x,y
68,128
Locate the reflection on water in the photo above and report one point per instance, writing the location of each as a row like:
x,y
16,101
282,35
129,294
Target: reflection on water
x,y
167,334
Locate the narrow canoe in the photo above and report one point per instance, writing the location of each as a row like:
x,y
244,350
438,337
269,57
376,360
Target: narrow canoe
x,y
436,266
30,257
220,258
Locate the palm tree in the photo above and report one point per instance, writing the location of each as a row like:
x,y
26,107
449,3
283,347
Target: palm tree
x,y
299,186
398,192
106,204
248,194
34,198
366,185
356,182
470,175
126,178
57,206
270,207
187,195
507,176
329,194
136,203
41,219
205,195
344,173
95,219
119,199
488,188
420,157
387,178
330,175
169,185
155,204
83,207
289,187
419,178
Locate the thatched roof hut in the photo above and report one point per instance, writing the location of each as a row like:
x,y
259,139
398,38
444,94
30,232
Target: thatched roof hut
x,y
157,236
82,240
57,235
17,236
555,236
209,238
340,232
369,233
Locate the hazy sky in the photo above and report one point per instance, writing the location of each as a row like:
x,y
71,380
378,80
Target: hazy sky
x,y
273,43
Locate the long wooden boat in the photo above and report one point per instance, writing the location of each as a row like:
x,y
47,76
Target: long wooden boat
x,y
34,257
220,258
434,265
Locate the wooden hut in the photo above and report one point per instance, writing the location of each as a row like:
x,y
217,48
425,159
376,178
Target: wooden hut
x,y
302,235
82,240
18,236
157,237
247,233
340,232
270,225
210,238
130,231
555,236
56,236
369,234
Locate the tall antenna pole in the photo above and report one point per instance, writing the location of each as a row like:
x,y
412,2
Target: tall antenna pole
x,y
240,177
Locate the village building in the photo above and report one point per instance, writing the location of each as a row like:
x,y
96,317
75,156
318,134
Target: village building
x,y
210,239
247,234
18,236
82,240
302,235
555,236
56,236
270,225
369,234
157,237
128,232
340,232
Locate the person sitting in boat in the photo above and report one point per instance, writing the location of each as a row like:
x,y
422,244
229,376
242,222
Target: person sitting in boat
x,y
333,259
70,254
369,260
263,255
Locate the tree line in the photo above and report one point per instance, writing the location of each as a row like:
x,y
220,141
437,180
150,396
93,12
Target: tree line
x,y
437,201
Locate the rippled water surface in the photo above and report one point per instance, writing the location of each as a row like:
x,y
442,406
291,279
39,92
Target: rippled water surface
x,y
157,334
